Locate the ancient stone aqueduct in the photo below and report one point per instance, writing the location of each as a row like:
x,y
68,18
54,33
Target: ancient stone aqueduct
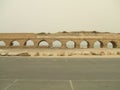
x,y
47,40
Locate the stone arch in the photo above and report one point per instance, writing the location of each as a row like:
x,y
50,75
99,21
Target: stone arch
x,y
43,43
84,44
70,44
15,43
56,44
29,43
111,44
2,43
98,44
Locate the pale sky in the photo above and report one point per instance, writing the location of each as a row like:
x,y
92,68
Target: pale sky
x,y
59,15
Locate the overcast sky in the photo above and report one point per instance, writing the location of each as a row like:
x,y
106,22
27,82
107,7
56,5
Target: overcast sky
x,y
59,15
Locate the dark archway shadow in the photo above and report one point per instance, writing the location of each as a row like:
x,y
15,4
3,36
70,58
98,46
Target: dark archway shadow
x,y
98,44
14,43
29,43
111,44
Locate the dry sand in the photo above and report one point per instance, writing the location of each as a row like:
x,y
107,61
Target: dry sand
x,y
41,52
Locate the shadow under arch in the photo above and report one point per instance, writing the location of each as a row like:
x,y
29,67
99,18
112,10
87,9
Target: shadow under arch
x,y
15,43
56,44
70,44
111,44
98,44
2,43
43,43
29,43
84,44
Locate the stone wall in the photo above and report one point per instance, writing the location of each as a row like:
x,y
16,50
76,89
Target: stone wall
x,y
8,39
16,35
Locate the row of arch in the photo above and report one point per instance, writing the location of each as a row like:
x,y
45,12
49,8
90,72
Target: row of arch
x,y
58,44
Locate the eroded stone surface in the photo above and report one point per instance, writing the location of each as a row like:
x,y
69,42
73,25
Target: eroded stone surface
x,y
22,39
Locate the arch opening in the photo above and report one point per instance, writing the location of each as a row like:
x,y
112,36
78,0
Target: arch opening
x,y
15,43
43,43
29,43
84,44
111,44
98,44
2,43
70,44
56,44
